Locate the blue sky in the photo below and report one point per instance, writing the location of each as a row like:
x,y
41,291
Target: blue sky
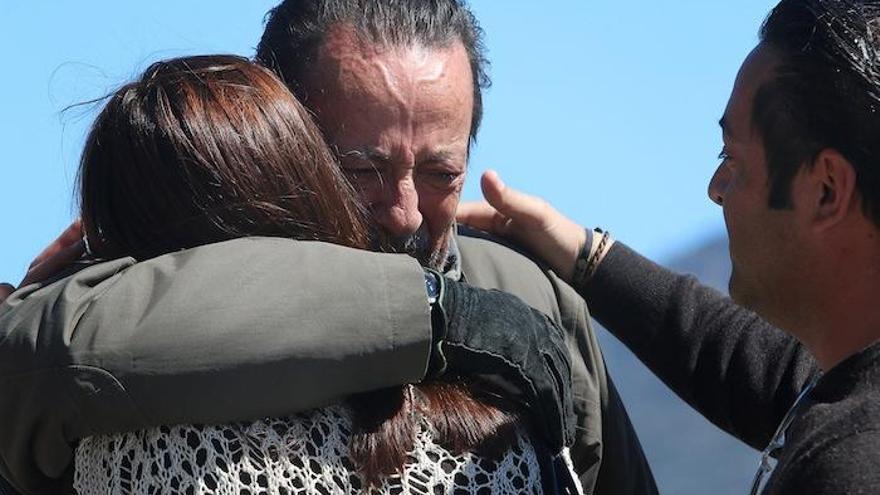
x,y
608,109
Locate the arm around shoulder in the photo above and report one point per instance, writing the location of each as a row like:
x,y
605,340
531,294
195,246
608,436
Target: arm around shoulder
x,y
230,331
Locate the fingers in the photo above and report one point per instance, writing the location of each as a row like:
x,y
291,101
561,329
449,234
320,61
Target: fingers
x,y
64,250
506,211
58,258
71,235
494,191
480,215
492,185
535,224
5,290
522,208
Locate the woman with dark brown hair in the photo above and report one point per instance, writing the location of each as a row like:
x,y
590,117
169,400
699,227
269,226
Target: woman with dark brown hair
x,y
207,149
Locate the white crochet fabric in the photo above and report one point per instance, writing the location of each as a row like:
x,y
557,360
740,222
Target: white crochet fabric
x,y
301,454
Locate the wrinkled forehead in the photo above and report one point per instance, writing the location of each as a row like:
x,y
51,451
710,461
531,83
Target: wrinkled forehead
x,y
355,79
343,43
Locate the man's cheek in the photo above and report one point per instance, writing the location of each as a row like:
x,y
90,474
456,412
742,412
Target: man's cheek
x,y
438,215
440,208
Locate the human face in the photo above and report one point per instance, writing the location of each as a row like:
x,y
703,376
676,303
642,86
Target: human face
x,y
764,242
399,119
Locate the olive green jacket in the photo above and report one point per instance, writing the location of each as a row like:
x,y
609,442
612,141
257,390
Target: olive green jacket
x,y
252,328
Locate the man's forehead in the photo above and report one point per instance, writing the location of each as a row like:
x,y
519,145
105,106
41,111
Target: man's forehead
x,y
757,69
363,93
343,39
345,52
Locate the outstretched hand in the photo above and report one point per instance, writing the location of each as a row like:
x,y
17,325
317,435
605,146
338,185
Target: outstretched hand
x,y
527,220
5,290
63,251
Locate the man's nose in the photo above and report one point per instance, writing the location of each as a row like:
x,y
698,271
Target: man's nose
x,y
718,184
398,212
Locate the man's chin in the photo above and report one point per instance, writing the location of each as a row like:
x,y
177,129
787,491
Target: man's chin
x,y
437,254
418,245
435,259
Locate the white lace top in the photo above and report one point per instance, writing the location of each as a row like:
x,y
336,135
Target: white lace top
x,y
302,454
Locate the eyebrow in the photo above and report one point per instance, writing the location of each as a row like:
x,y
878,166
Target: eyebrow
x,y
442,155
373,154
367,153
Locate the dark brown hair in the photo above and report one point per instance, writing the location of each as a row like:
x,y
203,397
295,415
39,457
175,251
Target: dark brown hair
x,y
209,148
825,93
204,149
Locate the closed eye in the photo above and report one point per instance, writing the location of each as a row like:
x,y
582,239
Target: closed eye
x,y
447,176
440,180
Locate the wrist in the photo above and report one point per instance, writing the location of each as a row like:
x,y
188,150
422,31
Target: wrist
x,y
563,248
597,243
584,244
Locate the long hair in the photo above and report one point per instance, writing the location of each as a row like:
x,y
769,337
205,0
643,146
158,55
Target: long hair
x,y
208,148
204,149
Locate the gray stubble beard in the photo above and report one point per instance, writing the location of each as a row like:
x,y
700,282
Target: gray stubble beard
x,y
418,245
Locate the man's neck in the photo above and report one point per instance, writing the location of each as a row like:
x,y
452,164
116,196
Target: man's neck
x,y
842,315
843,335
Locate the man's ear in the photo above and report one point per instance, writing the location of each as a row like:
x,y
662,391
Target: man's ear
x,y
832,189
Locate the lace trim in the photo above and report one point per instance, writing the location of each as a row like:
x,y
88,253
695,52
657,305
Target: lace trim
x,y
301,454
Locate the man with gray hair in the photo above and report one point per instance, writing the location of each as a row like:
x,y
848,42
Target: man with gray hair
x,y
396,87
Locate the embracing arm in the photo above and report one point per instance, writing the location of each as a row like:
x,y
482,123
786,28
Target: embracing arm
x,y
236,330
245,329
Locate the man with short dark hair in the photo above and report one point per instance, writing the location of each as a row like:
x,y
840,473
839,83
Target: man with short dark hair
x,y
799,184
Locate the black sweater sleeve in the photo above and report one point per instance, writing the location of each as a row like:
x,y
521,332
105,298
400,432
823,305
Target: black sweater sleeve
x,y
736,369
